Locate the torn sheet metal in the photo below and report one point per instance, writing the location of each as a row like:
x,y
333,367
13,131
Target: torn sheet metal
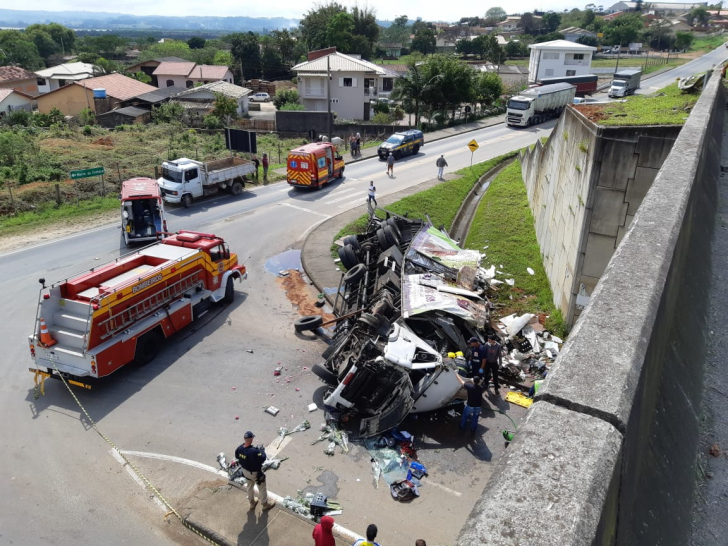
x,y
420,295
437,245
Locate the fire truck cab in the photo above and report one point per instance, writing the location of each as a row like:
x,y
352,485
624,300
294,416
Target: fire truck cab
x,y
313,165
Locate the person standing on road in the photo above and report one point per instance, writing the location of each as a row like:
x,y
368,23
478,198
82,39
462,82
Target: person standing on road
x,y
323,534
251,459
441,164
474,403
358,144
493,361
390,165
371,535
372,193
477,357
265,167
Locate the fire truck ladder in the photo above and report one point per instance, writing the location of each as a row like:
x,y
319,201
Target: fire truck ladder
x,y
147,306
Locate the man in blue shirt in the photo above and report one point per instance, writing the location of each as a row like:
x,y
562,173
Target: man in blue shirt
x,y
477,357
251,459
474,403
493,357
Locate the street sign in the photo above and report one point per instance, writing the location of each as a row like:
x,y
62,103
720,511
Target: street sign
x,y
87,173
473,145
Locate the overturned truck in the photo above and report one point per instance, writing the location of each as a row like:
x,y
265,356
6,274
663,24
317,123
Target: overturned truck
x,y
409,297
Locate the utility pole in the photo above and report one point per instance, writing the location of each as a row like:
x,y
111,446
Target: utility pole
x,y
328,92
619,54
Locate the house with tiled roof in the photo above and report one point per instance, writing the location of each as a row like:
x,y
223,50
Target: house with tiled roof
x,y
57,76
353,84
187,74
12,100
14,77
99,95
201,99
148,67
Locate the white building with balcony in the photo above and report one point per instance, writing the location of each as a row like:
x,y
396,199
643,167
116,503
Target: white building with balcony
x,y
558,59
351,85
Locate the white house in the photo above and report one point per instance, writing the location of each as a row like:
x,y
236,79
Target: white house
x,y
572,34
187,74
11,100
558,59
54,77
509,24
201,98
352,85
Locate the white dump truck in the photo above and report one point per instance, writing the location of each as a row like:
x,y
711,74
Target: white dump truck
x,y
625,82
186,179
539,104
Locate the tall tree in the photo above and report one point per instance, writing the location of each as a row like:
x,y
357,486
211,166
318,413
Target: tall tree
x,y
43,41
424,41
488,87
551,21
339,32
494,16
314,25
245,49
530,24
286,45
699,16
413,87
17,49
454,83
365,25
397,32
196,42
623,29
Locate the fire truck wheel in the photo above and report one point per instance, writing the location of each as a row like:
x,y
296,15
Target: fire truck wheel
x,y
355,274
186,200
229,290
147,348
324,374
310,322
347,256
237,188
341,173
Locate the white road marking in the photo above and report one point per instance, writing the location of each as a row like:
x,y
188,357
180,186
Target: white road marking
x,y
446,489
202,466
305,233
273,449
136,478
305,210
358,201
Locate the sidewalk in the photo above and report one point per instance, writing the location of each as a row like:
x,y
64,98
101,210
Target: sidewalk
x,y
368,153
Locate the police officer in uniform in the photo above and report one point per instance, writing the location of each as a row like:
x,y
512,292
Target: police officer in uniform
x,y
251,459
477,357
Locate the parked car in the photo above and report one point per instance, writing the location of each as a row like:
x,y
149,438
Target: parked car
x,y
260,97
399,144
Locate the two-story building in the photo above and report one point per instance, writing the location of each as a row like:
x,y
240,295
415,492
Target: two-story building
x,y
348,82
20,79
187,74
558,59
55,77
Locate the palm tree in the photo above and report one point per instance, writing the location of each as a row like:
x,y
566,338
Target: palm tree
x,y
413,87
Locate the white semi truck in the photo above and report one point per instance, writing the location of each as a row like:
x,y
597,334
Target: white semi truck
x,y
186,179
625,82
539,104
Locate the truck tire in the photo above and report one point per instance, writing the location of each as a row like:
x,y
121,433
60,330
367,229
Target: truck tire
x,y
341,173
355,274
186,200
324,374
392,238
147,348
391,222
353,241
347,256
382,239
237,188
229,296
310,322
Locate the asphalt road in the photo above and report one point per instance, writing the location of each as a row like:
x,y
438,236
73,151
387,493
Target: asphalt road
x,y
60,484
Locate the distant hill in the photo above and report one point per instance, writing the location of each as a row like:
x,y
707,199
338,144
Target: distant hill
x,y
93,20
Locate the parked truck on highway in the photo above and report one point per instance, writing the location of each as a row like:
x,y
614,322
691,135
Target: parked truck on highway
x,y
538,104
186,179
142,211
90,325
625,82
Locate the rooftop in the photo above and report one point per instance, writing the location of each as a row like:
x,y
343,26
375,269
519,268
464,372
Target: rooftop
x,y
15,73
131,111
338,62
174,68
222,87
5,93
562,44
68,71
158,95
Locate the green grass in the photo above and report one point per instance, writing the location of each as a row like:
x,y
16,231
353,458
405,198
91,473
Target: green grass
x,y
668,107
708,43
47,214
440,202
505,224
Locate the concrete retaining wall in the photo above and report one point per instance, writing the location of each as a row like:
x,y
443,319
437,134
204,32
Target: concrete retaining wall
x,y
606,455
584,187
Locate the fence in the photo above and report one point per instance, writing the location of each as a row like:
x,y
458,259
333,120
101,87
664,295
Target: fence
x,y
257,124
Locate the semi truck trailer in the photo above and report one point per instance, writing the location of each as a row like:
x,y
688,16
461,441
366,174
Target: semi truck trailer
x,y
538,104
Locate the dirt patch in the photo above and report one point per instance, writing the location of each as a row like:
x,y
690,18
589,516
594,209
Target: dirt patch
x,y
298,292
105,141
592,112
34,235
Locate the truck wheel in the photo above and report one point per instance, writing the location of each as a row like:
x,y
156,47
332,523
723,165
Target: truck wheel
x,y
229,290
347,256
392,239
355,274
382,239
237,188
341,173
186,200
324,374
353,241
147,348
310,322
391,222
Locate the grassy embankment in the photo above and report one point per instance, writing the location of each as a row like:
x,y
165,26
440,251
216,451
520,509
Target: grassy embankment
x,y
508,232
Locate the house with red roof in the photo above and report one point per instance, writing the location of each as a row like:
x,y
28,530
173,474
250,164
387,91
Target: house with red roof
x,y
14,77
187,74
99,95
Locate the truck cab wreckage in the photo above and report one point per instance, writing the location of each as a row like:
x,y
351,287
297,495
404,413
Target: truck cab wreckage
x,y
409,297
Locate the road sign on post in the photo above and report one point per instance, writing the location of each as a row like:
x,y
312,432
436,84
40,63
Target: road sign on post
x,y
473,146
87,173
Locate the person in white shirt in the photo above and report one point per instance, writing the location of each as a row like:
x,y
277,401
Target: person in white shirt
x,y
372,193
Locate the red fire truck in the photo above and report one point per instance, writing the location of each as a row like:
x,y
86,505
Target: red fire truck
x,y
94,323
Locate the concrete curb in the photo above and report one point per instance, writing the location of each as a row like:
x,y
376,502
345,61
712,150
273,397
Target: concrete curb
x,y
208,533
